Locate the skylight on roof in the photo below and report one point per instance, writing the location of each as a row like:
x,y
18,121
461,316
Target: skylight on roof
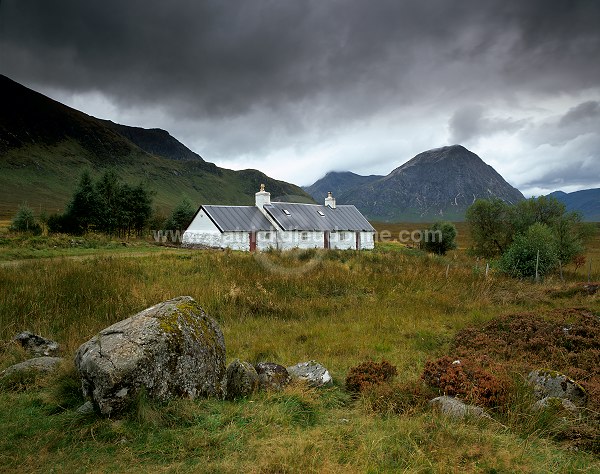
x,y
321,213
286,212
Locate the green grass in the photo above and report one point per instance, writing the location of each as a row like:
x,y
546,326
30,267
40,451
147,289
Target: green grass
x,y
45,177
393,302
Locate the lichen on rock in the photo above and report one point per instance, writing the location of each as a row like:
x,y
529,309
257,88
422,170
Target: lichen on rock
x,y
550,383
242,380
172,349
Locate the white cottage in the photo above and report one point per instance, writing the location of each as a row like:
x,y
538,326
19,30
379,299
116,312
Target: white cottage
x,y
280,225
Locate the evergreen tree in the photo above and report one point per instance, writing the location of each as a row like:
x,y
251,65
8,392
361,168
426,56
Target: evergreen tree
x,y
24,221
82,211
181,217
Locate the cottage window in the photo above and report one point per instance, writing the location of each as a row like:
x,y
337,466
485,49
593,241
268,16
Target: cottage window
x,y
343,236
286,212
304,235
321,213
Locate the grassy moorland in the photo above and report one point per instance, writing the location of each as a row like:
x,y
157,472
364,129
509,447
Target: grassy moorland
x,y
339,308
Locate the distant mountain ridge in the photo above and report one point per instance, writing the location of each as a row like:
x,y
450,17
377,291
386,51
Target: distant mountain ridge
x,y
155,141
586,201
45,145
337,182
437,184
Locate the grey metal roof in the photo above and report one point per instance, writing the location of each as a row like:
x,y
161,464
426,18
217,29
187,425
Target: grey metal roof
x,y
238,218
307,217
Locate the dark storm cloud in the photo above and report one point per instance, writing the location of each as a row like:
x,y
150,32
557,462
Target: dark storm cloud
x,y
471,122
578,121
222,58
319,80
585,111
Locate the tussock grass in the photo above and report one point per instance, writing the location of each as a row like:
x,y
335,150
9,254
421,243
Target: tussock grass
x,y
391,303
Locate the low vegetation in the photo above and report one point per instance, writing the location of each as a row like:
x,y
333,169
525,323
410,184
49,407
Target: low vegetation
x,y
396,305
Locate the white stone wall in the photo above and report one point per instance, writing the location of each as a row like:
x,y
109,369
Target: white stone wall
x,y
236,240
266,240
287,240
202,223
202,239
367,240
202,232
342,240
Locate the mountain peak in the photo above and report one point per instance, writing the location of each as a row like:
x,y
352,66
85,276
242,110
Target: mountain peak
x,y
436,184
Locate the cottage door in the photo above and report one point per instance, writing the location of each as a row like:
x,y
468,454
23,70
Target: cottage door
x,y
326,239
252,241
357,240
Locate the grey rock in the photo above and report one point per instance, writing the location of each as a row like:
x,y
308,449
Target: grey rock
x,y
86,409
173,349
242,380
42,365
272,376
549,383
311,372
560,403
37,345
456,408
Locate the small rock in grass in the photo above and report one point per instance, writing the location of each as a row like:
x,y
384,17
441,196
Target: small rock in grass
x,y
560,403
456,408
312,372
272,376
37,364
86,409
37,345
549,383
242,380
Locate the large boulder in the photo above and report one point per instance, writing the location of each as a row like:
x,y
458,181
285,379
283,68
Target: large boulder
x,y
173,349
549,383
313,373
40,365
37,345
455,408
272,376
242,380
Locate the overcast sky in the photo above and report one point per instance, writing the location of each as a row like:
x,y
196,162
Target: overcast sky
x,y
297,88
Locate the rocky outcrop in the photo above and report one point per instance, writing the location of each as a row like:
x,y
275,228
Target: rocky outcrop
x,y
37,345
272,376
242,380
173,349
556,403
41,365
313,373
549,383
456,408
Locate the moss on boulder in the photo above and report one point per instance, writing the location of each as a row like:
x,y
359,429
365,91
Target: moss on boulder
x,y
172,349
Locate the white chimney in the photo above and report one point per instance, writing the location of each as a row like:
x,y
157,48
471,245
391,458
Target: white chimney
x,y
262,198
330,200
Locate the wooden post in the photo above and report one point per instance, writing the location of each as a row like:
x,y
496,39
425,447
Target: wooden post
x,y
447,270
537,264
487,269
